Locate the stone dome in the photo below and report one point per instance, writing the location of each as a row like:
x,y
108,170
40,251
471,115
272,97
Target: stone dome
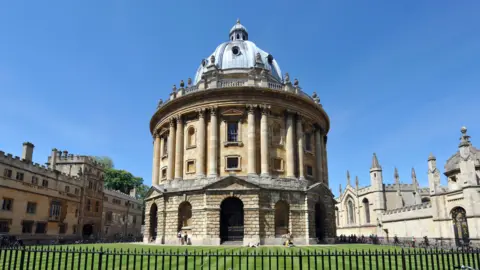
x,y
239,53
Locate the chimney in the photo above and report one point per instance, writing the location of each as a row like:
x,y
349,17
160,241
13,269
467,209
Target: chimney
x,y
133,192
27,152
53,161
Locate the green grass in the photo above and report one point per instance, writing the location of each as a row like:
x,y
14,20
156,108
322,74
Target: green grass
x,y
330,257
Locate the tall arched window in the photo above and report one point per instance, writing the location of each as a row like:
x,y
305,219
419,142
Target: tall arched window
x,y
460,226
351,212
191,137
276,134
184,215
337,214
282,211
366,208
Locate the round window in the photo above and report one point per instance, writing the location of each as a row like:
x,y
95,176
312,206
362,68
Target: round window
x,y
235,50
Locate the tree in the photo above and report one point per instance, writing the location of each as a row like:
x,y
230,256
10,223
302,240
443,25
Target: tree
x,y
121,180
106,161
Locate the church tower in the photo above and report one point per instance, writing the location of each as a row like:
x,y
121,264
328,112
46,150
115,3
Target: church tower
x,y
376,181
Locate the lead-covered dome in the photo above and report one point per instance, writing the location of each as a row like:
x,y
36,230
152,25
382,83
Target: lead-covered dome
x,y
239,53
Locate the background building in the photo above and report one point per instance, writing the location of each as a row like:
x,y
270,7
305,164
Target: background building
x,y
407,210
239,154
122,215
64,200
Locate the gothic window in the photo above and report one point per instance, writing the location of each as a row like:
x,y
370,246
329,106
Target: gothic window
x,y
460,226
351,212
366,208
282,211
184,215
337,214
232,131
191,137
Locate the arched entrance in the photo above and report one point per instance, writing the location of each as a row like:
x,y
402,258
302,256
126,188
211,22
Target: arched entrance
x,y
319,221
87,230
231,220
153,221
460,226
184,216
282,211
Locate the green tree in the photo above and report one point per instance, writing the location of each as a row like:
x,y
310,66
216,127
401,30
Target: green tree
x,y
106,161
121,180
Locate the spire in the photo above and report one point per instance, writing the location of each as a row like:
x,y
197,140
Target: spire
x,y
431,157
397,180
414,181
348,178
375,164
340,190
465,139
356,181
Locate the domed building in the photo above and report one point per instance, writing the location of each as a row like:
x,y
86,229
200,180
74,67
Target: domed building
x,y
239,155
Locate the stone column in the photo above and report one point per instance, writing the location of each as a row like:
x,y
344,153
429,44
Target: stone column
x,y
290,147
318,154
200,163
156,159
301,149
179,148
264,153
171,153
251,141
213,145
324,159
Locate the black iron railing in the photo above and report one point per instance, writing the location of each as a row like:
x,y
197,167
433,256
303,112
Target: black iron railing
x,y
90,258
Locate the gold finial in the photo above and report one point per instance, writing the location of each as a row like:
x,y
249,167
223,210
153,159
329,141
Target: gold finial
x,y
238,21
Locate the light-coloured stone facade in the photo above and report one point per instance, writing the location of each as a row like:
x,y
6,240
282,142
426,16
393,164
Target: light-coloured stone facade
x,y
407,210
63,200
239,156
122,215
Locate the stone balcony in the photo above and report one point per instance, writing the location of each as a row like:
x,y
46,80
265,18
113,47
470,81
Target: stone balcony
x,y
254,78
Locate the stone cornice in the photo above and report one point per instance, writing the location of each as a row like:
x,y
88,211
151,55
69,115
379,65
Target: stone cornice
x,y
244,95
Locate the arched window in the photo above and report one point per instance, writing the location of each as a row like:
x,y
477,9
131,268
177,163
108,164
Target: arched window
x,y
337,215
460,226
277,136
191,142
184,215
366,207
282,211
351,212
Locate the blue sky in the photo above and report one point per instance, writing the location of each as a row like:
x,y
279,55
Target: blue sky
x,y
398,78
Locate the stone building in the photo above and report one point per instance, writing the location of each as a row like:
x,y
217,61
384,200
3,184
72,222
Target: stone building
x,y
122,215
408,210
239,154
63,200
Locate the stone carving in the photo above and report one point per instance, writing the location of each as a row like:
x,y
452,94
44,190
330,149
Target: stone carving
x,y
265,109
316,98
174,89
251,108
182,84
201,112
287,78
189,82
263,73
212,60
160,102
258,58
213,110
295,82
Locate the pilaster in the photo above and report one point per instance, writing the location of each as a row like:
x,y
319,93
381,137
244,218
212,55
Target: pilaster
x,y
290,146
171,153
200,164
179,148
301,149
213,145
251,170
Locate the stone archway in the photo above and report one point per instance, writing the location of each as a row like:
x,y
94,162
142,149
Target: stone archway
x,y
153,221
184,216
319,221
460,226
87,230
231,220
282,212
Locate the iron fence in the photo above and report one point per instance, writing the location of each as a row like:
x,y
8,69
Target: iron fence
x,y
91,258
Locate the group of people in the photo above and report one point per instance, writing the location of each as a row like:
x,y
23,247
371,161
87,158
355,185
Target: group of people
x,y
183,238
373,239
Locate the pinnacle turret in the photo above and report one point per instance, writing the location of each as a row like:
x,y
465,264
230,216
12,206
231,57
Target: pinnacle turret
x,y
375,163
348,178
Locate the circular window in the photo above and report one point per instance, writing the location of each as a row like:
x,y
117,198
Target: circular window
x,y
270,59
235,50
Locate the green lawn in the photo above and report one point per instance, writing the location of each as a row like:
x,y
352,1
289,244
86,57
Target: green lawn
x,y
114,256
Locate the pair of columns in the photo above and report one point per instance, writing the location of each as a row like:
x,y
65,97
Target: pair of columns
x,y
176,140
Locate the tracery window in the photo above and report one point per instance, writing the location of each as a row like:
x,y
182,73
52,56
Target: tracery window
x,y
351,212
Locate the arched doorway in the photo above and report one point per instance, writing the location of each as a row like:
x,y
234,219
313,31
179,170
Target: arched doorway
x,y
282,211
153,221
231,220
87,230
184,215
460,226
319,221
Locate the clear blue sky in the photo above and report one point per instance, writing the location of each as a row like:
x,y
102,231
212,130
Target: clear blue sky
x,y
398,78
